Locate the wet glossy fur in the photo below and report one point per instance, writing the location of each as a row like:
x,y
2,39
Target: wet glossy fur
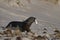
x,y
23,26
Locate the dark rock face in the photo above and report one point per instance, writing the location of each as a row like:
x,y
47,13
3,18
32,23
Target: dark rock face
x,y
23,26
7,39
18,38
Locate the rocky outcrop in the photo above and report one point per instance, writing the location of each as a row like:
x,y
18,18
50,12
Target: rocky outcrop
x,y
16,3
26,3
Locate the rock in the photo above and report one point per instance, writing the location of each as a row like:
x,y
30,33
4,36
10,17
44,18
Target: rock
x,y
7,39
18,38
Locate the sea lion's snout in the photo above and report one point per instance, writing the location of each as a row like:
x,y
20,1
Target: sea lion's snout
x,y
36,21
